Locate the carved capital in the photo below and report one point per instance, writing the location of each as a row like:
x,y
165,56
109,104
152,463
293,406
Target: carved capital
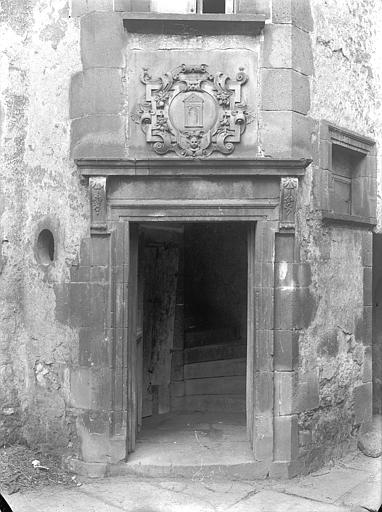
x,y
288,202
97,188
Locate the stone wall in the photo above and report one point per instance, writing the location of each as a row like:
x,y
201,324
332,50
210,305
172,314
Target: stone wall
x,y
39,188
335,350
63,89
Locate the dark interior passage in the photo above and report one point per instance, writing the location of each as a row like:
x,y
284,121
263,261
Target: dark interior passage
x,y
193,293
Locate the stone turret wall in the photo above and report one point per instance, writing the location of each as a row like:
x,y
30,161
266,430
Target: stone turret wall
x,y
64,94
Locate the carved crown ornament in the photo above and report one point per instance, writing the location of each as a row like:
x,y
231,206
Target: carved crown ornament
x,y
192,112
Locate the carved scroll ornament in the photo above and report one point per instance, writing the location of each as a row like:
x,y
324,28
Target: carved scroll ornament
x,y
289,189
192,112
97,187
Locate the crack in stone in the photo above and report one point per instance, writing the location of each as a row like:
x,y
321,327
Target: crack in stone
x,y
244,498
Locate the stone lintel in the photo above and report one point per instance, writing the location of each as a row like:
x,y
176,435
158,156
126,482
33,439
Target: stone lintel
x,y
186,168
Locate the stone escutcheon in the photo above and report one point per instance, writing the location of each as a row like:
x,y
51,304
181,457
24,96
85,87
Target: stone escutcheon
x,y
192,112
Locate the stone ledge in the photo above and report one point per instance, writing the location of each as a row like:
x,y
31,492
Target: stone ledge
x,y
329,217
152,22
179,168
89,469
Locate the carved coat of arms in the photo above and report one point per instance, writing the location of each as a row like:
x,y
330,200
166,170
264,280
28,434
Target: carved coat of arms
x,y
192,112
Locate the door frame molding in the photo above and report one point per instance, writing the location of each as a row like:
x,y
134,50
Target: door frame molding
x,y
271,216
261,234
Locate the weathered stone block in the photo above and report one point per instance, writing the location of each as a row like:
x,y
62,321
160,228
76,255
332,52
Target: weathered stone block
x,y
324,131
370,167
284,393
292,275
132,5
286,46
120,294
264,303
93,347
100,247
96,422
302,55
264,350
85,252
265,242
95,447
294,307
286,134
264,274
363,403
100,136
305,308
79,274
296,12
286,438
98,305
285,247
326,155
285,89
264,391
263,442
80,7
286,350
102,40
101,382
254,7
79,304
99,274
88,469
119,379
321,198
96,91
80,388
285,305
277,50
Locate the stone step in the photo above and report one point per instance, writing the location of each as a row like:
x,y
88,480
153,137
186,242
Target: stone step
x,y
193,403
216,386
201,337
221,368
214,472
214,353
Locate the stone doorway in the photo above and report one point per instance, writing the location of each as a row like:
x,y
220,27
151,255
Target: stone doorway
x,y
191,344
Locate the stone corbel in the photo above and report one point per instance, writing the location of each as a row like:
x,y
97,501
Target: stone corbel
x,y
288,202
97,186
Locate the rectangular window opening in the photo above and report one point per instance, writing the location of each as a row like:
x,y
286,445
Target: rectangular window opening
x,y
193,6
213,6
346,164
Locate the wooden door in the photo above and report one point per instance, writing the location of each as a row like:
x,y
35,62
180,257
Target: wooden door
x,y
250,330
133,391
